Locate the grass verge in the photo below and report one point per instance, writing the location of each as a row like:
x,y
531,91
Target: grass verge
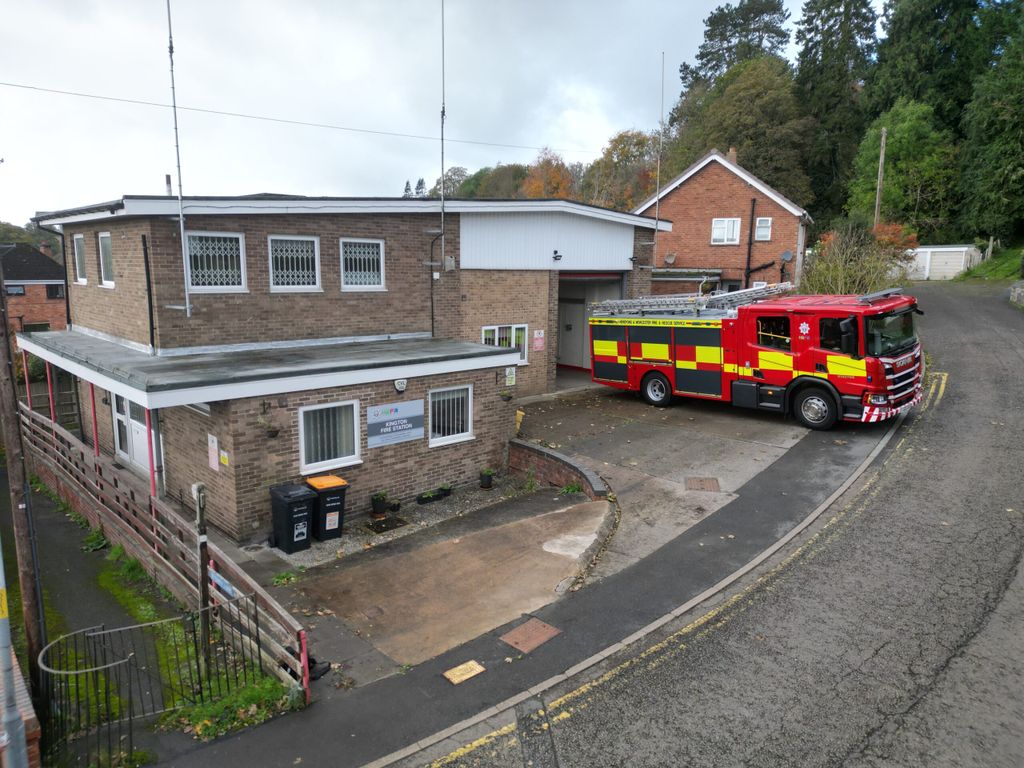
x,y
1003,266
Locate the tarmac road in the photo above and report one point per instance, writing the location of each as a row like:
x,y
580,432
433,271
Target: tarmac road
x,y
891,634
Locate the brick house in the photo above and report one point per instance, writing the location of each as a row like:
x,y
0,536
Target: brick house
x,y
34,288
730,229
296,336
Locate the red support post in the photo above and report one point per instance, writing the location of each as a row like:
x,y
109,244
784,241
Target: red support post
x,y
53,406
95,432
28,384
304,661
149,449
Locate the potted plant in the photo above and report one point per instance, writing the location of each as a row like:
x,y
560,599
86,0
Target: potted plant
x,y
444,490
486,477
379,505
268,426
505,394
426,497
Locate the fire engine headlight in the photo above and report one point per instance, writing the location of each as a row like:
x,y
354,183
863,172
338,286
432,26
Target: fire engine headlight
x,y
879,399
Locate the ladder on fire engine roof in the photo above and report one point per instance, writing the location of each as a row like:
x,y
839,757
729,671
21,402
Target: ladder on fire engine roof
x,y
687,302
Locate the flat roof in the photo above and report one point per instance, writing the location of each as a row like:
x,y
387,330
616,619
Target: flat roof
x,y
163,382
153,205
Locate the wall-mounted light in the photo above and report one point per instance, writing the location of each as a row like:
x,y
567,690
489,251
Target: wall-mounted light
x,y
633,259
557,256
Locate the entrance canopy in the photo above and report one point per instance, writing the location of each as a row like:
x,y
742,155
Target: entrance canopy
x,y
164,382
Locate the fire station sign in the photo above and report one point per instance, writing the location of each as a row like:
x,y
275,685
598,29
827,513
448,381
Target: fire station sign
x,y
393,423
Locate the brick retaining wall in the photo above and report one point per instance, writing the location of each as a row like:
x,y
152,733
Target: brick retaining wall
x,y
553,468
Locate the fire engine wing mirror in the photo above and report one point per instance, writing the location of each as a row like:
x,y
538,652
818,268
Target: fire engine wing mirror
x,y
917,310
848,339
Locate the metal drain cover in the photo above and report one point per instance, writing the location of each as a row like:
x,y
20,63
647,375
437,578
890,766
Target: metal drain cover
x,y
702,484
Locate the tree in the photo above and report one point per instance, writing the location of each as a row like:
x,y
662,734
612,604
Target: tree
x,y
920,171
733,34
453,178
30,234
548,177
623,175
836,39
503,182
754,108
934,49
408,189
993,151
421,188
850,258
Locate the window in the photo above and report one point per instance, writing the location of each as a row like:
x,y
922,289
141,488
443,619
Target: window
x,y
773,332
294,263
725,231
763,228
36,327
328,436
106,259
732,285
509,336
55,291
451,415
830,335
216,262
79,243
15,290
362,265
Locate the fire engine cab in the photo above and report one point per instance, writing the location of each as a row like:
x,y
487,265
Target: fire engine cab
x,y
820,358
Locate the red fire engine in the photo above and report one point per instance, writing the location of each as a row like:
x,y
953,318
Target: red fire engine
x,y
821,358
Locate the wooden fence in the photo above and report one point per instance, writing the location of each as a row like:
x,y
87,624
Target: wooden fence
x,y
159,537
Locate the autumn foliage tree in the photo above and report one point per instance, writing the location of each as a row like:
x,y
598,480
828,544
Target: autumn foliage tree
x,y
851,258
548,177
624,175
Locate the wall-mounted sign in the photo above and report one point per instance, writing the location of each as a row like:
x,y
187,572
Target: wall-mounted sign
x,y
538,341
510,376
394,423
212,452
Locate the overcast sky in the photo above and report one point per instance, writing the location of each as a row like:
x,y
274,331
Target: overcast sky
x,y
565,74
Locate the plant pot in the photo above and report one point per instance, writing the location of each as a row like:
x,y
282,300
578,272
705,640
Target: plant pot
x,y
486,481
443,492
426,498
379,508
272,431
395,506
506,398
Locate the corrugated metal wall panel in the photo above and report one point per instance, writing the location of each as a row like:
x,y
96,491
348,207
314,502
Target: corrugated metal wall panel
x,y
529,240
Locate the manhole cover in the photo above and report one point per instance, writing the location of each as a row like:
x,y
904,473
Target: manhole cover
x,y
702,484
529,635
387,524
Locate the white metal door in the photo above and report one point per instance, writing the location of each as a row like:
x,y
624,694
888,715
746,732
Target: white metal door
x,y
139,453
572,334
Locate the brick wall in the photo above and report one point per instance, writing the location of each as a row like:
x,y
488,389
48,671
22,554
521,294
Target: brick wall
x,y
104,417
259,315
120,311
553,468
715,192
401,470
638,280
34,307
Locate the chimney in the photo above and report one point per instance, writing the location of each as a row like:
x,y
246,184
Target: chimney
x,y
46,250
731,156
167,181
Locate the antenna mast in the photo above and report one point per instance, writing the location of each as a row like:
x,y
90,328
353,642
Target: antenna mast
x,y
177,156
443,180
657,187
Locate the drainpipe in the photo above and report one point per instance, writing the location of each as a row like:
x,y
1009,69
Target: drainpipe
x,y
750,242
149,296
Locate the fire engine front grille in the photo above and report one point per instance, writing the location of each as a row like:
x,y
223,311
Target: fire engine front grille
x,y
901,385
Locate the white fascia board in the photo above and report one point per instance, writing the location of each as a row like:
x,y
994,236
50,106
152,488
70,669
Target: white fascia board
x,y
168,206
745,175
12,281
265,387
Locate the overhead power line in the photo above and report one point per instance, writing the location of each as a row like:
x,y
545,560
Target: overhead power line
x,y
283,120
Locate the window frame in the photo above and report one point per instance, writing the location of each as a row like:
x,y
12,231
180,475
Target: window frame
x,y
243,288
15,289
462,437
725,223
757,229
789,330
104,282
81,275
341,266
318,288
56,288
524,355
338,462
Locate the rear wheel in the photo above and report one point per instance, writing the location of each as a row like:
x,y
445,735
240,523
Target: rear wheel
x,y
815,408
656,389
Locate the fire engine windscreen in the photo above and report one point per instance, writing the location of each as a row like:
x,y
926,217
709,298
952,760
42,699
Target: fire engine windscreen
x,y
888,334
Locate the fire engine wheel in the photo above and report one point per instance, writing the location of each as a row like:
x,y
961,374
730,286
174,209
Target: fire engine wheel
x,y
656,389
815,408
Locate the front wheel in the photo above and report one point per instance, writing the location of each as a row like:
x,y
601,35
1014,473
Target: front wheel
x,y
815,408
656,389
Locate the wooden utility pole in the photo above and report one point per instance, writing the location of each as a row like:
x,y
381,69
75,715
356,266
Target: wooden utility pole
x,y
17,480
881,174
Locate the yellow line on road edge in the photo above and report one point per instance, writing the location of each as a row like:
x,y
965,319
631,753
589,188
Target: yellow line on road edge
x,y
658,623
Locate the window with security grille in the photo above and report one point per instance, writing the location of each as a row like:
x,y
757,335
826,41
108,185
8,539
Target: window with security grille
x,y
55,291
362,265
451,415
106,259
294,263
328,436
216,261
508,336
725,231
